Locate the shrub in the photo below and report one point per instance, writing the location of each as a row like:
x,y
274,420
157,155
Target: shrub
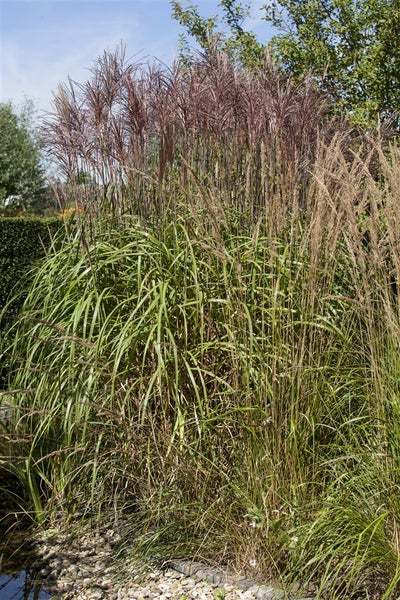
x,y
23,241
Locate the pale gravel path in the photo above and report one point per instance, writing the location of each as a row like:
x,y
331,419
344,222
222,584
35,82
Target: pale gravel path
x,y
85,569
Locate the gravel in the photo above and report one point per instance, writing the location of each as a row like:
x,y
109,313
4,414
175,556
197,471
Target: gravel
x,y
85,568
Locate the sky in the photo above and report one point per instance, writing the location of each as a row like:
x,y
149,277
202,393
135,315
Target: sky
x,y
43,42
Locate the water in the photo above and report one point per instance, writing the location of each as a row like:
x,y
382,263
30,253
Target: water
x,y
19,570
19,573
22,585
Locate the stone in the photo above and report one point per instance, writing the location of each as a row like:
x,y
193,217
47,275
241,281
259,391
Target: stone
x,y
86,569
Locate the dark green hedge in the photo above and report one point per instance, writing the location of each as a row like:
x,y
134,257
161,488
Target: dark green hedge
x,y
23,241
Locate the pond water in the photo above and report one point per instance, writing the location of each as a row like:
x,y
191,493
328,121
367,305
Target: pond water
x,y
19,570
22,585
19,573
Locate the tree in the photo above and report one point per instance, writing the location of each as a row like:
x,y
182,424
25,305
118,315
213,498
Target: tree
x,y
22,185
240,44
351,46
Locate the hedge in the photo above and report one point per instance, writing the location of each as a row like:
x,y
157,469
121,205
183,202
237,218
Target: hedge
x,y
23,241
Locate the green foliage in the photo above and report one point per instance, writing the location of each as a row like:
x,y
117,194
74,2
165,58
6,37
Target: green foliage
x,y
22,186
221,371
230,386
168,331
23,241
352,47
240,44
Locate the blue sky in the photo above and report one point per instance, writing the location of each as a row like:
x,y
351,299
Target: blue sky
x,y
42,42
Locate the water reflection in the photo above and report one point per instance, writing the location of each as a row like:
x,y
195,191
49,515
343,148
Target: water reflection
x,y
19,567
21,586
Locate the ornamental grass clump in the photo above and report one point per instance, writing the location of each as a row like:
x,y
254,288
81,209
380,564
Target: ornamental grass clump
x,y
170,358
212,355
139,134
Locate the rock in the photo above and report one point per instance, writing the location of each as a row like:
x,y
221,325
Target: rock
x,y
52,576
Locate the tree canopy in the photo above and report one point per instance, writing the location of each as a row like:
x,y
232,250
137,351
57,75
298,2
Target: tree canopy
x,y
22,184
351,47
237,42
